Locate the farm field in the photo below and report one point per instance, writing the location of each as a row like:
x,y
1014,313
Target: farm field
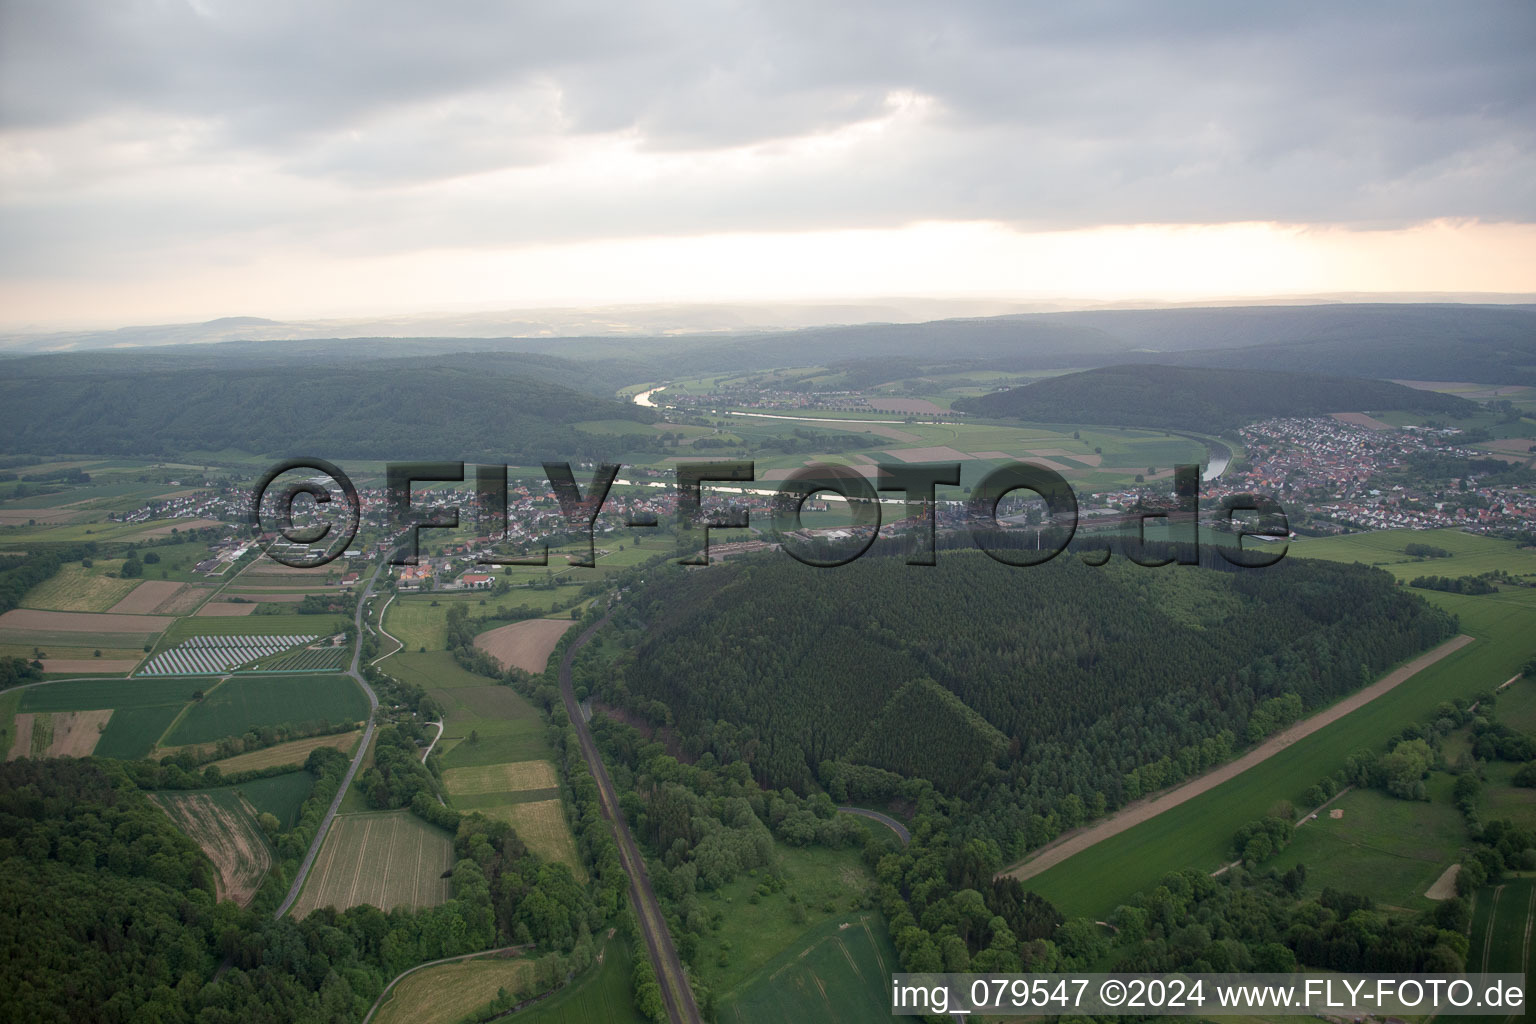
x,y
81,629
58,733
75,588
448,993
1388,849
282,796
224,825
1501,798
1471,554
507,727
244,702
604,994
541,825
501,778
294,752
153,596
141,709
387,860
1502,922
526,644
252,625
1196,834
840,970
422,620
829,883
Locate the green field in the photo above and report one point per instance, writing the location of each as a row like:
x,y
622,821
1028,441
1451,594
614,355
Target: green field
x,y
1471,554
1196,834
506,727
279,795
1501,798
75,588
602,994
422,621
448,993
142,709
1502,921
1516,706
840,970
828,884
242,702
1388,849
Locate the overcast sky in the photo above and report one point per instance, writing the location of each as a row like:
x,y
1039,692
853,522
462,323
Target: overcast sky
x,y
164,161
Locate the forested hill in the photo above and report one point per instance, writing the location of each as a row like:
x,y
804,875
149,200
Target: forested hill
x,y
1199,398
1013,686
387,409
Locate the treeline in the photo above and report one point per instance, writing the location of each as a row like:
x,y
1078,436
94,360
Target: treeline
x,y
20,573
383,409
255,738
1047,695
1200,398
1416,550
14,671
108,913
1454,584
704,825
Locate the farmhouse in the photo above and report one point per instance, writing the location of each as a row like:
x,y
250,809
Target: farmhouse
x,y
477,581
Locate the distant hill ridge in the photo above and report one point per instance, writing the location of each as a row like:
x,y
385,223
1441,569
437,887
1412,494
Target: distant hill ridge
x,y
1200,398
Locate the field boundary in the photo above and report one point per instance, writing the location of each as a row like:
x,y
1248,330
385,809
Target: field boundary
x,y
1147,808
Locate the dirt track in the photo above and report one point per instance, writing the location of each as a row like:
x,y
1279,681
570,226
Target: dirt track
x,y
1138,811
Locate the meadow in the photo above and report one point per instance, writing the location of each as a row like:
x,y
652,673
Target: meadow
x,y
496,754
755,931
505,726
1471,554
244,702
1389,849
294,752
839,970
604,994
1503,917
448,993
74,588
542,827
282,796
386,859
1197,834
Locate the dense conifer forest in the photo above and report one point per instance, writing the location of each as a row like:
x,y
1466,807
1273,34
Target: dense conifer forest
x,y
1042,695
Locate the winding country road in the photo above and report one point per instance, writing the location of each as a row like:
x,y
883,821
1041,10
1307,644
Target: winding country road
x,y
675,991
884,819
357,759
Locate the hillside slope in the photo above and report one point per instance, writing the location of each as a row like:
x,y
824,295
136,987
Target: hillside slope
x,y
1200,398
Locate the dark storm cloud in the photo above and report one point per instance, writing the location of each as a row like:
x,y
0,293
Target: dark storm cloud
x,y
1058,115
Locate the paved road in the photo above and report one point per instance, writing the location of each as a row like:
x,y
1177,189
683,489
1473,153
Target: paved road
x,y
884,819
357,759
675,991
